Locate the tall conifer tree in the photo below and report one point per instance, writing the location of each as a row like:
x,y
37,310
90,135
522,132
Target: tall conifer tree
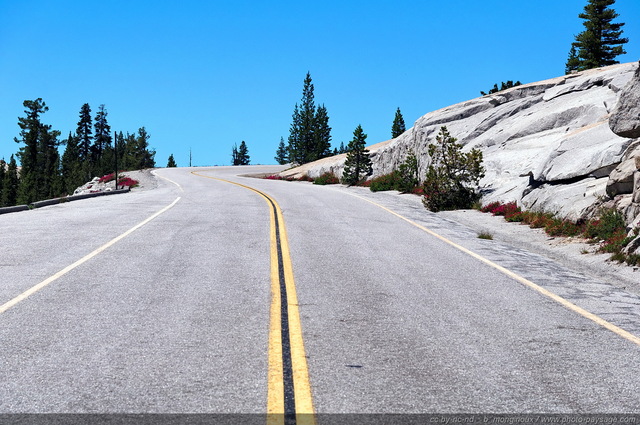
x,y
72,175
11,183
307,121
358,164
321,135
3,173
398,127
38,155
296,152
601,42
102,144
50,180
243,154
84,133
310,133
282,156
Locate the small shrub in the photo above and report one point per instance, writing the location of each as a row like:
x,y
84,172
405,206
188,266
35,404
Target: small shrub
x,y
326,178
539,220
557,227
408,174
418,191
633,259
507,210
391,181
609,230
128,181
610,222
485,235
107,178
274,177
489,208
516,217
618,257
452,177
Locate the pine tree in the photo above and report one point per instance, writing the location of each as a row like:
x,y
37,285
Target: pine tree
x,y
3,173
452,176
296,153
307,121
145,154
120,149
84,133
101,144
10,185
321,135
72,175
243,154
28,154
601,42
38,156
398,126
130,156
310,133
282,156
358,164
503,86
136,152
49,176
573,61
234,155
171,162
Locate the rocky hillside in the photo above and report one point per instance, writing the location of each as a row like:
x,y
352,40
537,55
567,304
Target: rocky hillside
x,y
547,145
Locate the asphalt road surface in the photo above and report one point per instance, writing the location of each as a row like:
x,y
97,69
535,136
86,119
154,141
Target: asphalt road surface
x,y
177,316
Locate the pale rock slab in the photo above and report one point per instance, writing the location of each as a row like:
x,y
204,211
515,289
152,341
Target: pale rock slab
x,y
546,145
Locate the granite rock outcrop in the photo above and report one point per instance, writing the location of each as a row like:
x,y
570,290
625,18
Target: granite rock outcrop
x,y
547,145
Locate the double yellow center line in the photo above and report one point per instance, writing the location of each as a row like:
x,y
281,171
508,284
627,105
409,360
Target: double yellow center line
x,y
289,392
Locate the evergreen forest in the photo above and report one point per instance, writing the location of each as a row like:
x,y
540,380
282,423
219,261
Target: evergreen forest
x,y
38,171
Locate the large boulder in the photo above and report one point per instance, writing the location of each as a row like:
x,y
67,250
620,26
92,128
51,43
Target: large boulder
x,y
625,119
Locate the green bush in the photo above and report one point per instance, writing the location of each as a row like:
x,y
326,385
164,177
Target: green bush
x,y
408,174
453,176
610,222
391,181
326,178
404,179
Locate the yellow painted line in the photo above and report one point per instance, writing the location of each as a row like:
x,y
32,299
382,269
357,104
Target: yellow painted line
x,y
302,387
564,302
275,383
26,294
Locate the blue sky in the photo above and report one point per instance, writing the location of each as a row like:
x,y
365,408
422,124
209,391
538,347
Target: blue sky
x,y
203,75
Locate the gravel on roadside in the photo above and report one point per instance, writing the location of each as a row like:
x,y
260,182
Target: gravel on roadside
x,y
574,253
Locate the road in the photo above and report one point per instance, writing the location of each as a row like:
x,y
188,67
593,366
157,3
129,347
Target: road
x,y
398,310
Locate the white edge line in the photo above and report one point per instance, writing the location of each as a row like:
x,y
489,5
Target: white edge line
x,y
26,294
557,298
167,179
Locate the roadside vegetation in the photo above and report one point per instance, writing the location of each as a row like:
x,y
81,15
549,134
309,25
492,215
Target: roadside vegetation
x,y
123,180
485,235
92,150
608,231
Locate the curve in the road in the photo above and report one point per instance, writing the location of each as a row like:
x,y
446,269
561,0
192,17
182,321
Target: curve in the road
x,y
289,392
